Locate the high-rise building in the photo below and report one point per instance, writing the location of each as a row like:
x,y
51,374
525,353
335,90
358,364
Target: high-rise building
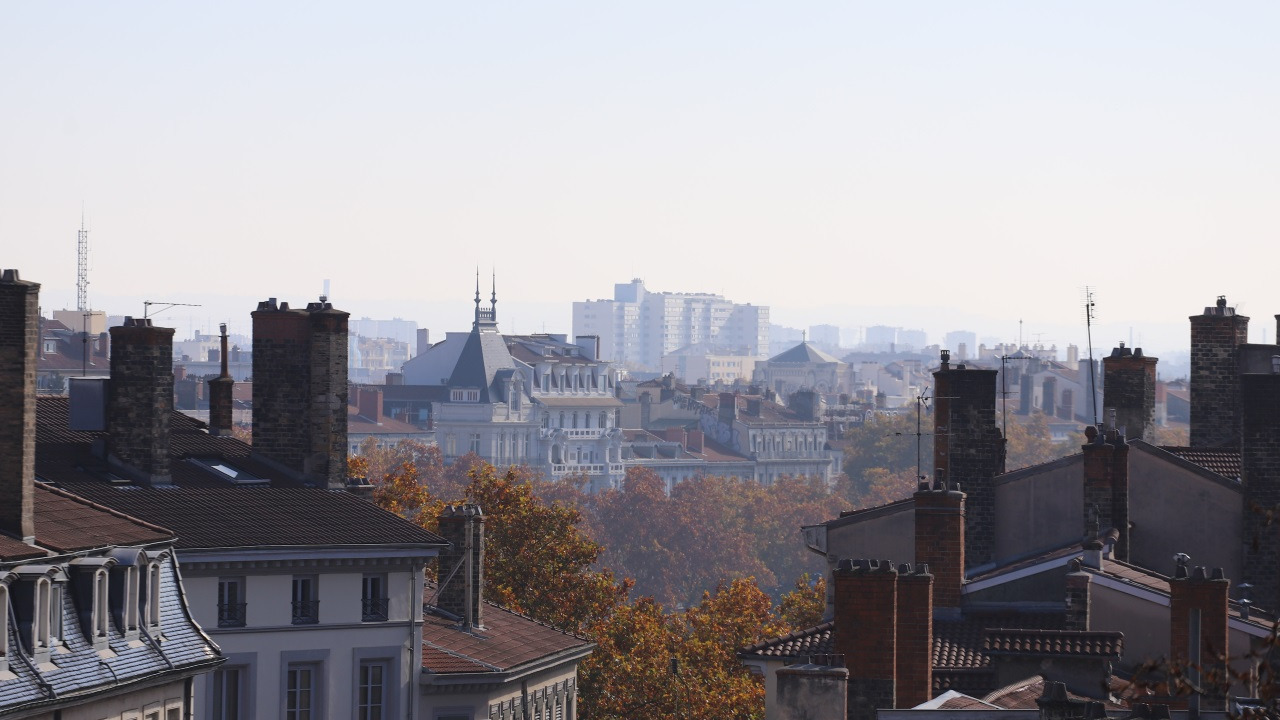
x,y
638,327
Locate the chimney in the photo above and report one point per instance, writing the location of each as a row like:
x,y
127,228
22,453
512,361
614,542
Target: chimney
x,y
914,681
300,390
1106,486
1078,597
969,450
814,690
1049,396
728,409
1215,393
940,535
220,394
394,379
370,403
19,341
646,409
696,440
866,621
424,341
140,400
753,406
1260,478
590,345
1129,386
1198,598
461,575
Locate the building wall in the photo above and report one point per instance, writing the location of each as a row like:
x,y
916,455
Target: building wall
x,y
890,535
168,700
1039,510
1175,509
489,703
338,643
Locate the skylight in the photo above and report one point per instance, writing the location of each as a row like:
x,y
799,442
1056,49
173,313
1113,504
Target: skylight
x,y
230,473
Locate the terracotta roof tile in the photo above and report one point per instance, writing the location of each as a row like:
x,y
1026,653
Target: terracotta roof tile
x,y
1226,463
66,523
15,549
507,641
813,641
1054,642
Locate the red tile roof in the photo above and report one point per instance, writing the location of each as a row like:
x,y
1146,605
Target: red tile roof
x,y
14,549
67,523
1226,463
507,641
1054,642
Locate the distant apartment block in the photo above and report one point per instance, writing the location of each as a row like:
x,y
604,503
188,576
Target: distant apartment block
x,y
405,331
637,328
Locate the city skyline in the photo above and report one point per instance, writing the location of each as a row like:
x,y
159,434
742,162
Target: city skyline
x,y
927,165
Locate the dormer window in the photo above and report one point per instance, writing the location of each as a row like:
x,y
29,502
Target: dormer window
x,y
464,395
4,627
152,590
101,593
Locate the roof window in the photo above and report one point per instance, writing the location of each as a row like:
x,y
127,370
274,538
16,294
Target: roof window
x,y
229,472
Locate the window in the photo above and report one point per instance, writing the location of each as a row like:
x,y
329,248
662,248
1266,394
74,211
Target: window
x,y
101,584
300,691
371,700
228,693
231,604
475,443
373,598
306,603
4,627
55,613
152,618
40,628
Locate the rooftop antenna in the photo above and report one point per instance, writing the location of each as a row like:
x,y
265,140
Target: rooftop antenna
x,y
147,312
325,297
1088,324
82,266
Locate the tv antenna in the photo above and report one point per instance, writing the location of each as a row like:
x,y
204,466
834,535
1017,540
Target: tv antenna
x,y
922,399
147,312
1093,371
82,266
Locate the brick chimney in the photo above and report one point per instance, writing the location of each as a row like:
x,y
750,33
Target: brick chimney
x,y
369,403
140,400
1260,478
461,576
221,394
968,449
1215,393
696,440
728,408
1106,486
19,341
1129,388
1200,594
866,621
300,390
914,681
1079,597
940,534
814,690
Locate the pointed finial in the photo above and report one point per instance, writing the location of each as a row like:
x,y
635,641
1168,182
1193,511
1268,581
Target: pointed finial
x,y
493,299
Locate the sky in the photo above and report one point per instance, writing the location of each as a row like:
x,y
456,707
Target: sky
x,y
934,165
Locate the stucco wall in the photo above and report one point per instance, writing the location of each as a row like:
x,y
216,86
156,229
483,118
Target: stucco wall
x,y
1039,510
1175,509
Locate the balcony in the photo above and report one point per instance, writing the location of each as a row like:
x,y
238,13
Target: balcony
x,y
231,615
598,469
306,612
373,609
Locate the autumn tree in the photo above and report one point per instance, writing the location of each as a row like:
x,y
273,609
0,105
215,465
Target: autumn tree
x,y
805,605
1030,442
630,673
881,457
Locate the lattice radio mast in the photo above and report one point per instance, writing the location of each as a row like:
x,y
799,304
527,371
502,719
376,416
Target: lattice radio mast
x,y
82,268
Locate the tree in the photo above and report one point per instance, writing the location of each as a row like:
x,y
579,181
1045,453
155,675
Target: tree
x,y
1030,442
537,560
630,673
804,606
887,444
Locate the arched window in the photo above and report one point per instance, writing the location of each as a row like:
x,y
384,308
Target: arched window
x,y
100,593
40,630
153,595
4,627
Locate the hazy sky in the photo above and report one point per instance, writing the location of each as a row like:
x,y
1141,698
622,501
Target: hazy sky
x,y
945,165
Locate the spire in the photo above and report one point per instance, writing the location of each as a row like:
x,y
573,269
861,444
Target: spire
x,y
477,320
494,297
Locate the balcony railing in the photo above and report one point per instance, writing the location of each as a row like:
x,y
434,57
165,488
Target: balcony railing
x,y
306,612
231,615
373,609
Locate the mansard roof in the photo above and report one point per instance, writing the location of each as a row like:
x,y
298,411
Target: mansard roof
x,y
483,355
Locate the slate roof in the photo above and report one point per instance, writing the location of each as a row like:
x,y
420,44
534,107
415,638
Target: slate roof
x,y
508,641
1226,463
803,353
82,671
483,355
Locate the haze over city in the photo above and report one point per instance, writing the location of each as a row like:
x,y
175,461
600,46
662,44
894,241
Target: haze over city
x,y
927,165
